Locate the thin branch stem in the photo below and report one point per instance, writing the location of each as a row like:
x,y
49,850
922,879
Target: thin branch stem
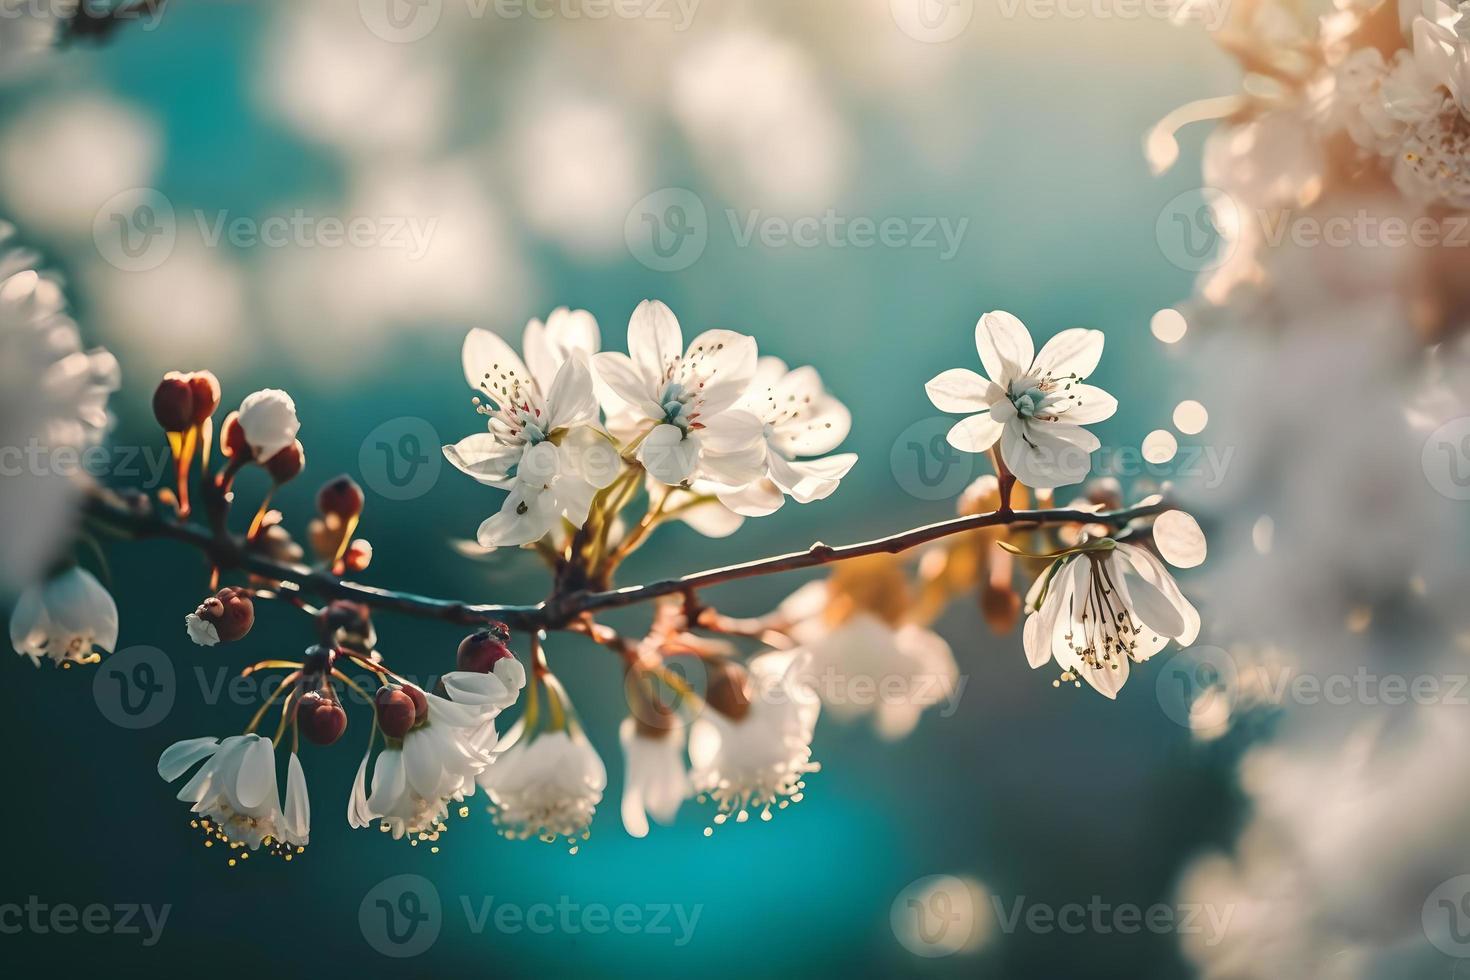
x,y
559,611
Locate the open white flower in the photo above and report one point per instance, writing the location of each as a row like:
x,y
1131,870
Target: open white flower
x,y
798,418
1034,404
53,401
1096,612
547,784
681,400
545,447
268,419
414,780
66,618
655,781
235,792
866,667
761,758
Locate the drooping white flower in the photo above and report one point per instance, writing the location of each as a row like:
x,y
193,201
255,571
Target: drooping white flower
x,y
1096,612
268,419
864,666
1034,404
544,446
53,407
415,779
655,780
798,418
235,791
67,618
681,401
547,784
761,758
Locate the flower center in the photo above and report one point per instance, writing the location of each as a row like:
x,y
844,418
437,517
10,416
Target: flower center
x,y
675,404
1028,402
1107,628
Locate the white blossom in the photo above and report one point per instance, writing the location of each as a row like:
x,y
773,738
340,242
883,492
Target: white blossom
x,y
799,418
235,791
547,784
1097,612
761,759
655,778
682,400
1033,404
544,442
65,619
414,780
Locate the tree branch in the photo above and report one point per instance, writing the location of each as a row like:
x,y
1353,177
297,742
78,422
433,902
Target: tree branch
x,y
558,611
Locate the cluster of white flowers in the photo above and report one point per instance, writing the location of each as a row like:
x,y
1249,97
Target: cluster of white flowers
x,y
413,778
713,418
53,407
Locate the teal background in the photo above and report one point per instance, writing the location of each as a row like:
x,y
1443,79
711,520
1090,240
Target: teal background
x,y
1055,796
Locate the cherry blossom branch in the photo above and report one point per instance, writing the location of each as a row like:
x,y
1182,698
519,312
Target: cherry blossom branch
x,y
559,611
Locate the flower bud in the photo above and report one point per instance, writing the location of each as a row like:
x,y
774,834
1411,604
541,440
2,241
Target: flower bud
x,y
269,420
728,690
285,465
396,711
420,703
480,651
173,402
342,497
320,718
224,617
205,387
358,556
232,441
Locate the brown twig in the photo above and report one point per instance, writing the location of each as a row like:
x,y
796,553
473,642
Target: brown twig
x,y
560,610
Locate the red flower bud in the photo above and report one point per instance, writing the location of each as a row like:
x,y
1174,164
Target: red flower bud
x,y
420,703
728,689
173,402
232,441
320,718
342,497
230,613
396,712
205,387
358,556
286,464
479,652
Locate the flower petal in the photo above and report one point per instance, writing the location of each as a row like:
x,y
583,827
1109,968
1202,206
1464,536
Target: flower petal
x,y
1071,352
622,377
484,457
975,434
572,399
256,782
962,390
178,757
655,341
1005,346
811,480
486,354
668,455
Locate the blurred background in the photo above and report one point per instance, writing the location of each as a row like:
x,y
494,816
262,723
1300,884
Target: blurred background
x,y
505,159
